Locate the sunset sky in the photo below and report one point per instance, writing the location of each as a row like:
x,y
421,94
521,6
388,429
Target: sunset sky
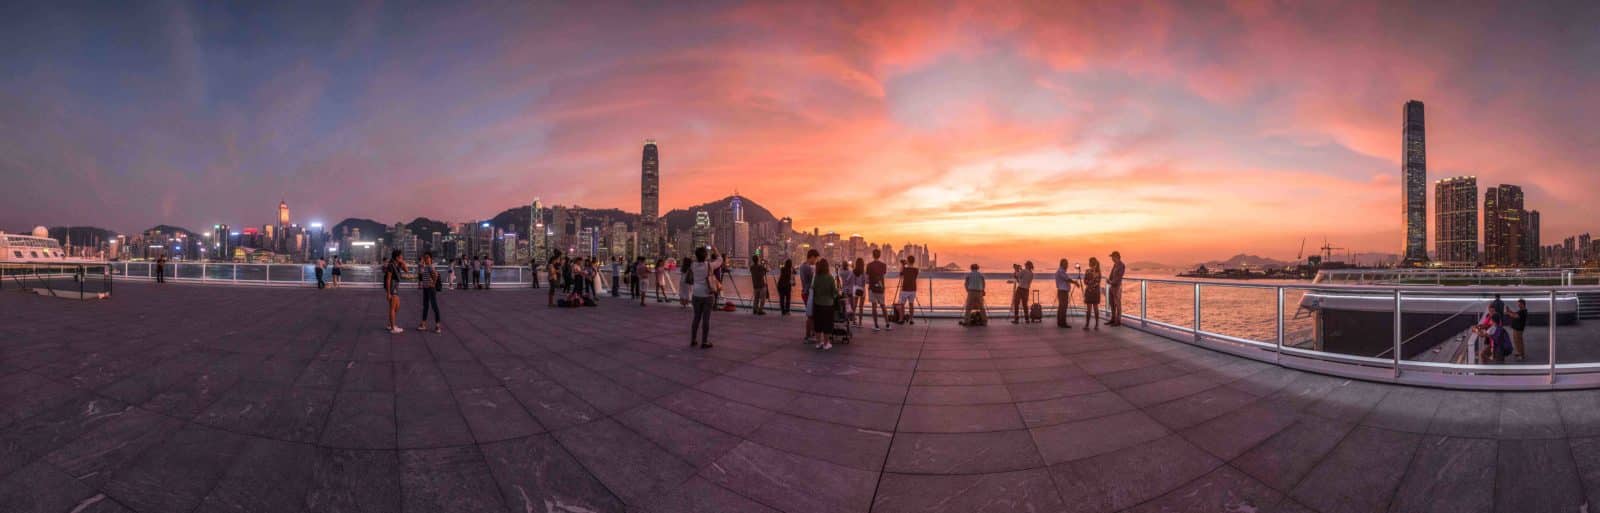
x,y
1175,132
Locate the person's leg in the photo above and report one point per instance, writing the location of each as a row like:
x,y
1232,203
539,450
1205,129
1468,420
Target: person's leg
x,y
423,322
1116,306
1061,309
1516,343
394,307
705,325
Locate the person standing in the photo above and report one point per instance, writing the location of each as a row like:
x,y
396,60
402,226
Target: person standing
x,y
824,298
661,279
706,286
908,289
1064,283
785,286
533,272
161,268
336,264
319,268
1519,322
975,285
488,271
636,283
616,276
1019,297
1114,288
392,270
428,281
858,289
686,285
808,275
875,287
758,285
1091,294
553,268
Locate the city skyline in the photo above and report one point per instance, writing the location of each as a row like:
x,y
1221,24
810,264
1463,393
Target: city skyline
x,y
992,131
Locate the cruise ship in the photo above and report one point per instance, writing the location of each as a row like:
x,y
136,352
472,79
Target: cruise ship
x,y
35,249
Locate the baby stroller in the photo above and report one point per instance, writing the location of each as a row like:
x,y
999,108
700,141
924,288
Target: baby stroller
x,y
841,320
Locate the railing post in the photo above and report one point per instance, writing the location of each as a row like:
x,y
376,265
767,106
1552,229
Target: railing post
x,y
202,271
1197,311
1552,336
235,273
1144,301
269,273
1278,356
1397,333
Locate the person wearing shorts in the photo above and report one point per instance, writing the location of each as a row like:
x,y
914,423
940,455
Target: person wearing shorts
x,y
908,289
391,287
875,288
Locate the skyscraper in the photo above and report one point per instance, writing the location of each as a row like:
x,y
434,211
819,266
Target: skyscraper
x,y
649,200
1456,220
536,231
1503,226
1530,238
1415,193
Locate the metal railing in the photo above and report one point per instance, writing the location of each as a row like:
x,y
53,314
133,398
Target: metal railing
x,y
1360,328
66,279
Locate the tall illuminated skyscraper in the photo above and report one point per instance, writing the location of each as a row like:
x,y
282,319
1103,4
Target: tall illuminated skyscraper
x,y
1455,233
650,201
1414,168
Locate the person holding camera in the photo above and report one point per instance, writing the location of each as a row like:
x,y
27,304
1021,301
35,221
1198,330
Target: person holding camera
x,y
703,274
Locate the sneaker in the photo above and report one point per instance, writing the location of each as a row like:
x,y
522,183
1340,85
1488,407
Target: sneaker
x,y
826,347
396,330
874,328
705,345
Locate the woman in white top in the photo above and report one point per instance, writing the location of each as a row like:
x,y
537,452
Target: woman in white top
x,y
705,289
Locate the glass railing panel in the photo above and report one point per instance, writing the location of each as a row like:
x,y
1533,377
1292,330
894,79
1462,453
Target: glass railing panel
x,y
188,270
252,272
1171,303
219,271
1240,311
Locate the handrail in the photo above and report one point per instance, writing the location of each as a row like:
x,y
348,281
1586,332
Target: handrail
x,y
1275,346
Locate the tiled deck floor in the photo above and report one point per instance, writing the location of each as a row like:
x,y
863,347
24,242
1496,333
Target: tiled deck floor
x,y
197,399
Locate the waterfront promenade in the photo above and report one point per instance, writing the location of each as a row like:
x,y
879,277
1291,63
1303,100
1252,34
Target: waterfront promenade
x,y
188,398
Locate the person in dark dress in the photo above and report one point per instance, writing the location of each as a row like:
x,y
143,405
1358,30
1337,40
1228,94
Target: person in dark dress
x,y
785,286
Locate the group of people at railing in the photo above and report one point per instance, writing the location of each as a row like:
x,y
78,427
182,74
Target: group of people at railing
x,y
975,313
323,266
1502,331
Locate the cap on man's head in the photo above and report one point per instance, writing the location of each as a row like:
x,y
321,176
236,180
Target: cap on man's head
x,y
1116,254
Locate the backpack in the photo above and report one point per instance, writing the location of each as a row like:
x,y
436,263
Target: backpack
x,y
898,314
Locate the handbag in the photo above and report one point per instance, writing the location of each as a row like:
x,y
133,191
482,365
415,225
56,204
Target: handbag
x,y
712,284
